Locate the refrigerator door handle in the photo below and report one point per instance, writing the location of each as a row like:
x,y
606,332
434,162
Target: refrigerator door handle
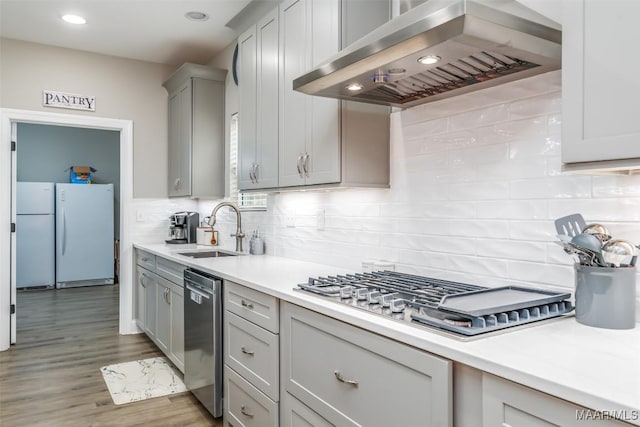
x,y
64,233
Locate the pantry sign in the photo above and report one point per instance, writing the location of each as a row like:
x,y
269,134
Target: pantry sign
x,y
68,100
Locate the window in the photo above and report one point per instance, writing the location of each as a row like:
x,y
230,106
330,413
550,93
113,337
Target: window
x,y
246,201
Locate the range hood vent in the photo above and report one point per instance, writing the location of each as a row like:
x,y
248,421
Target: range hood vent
x,y
466,46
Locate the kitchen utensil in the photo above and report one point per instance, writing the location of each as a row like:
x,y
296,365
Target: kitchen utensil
x,y
618,252
570,225
584,257
591,244
598,230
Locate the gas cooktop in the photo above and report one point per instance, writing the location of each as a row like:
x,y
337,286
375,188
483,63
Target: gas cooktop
x,y
461,309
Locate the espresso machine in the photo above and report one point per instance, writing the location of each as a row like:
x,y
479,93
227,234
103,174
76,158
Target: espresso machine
x,y
182,227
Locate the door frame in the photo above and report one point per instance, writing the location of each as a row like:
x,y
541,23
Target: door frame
x,y
8,119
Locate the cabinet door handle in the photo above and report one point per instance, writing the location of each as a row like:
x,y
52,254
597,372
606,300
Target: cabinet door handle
x,y
246,304
247,352
305,165
256,167
251,175
166,296
340,378
176,183
299,165
144,285
243,409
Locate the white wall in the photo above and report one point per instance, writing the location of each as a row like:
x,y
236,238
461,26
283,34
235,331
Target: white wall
x,y
475,188
124,89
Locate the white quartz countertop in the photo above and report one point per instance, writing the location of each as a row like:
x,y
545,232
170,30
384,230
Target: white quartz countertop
x,y
593,367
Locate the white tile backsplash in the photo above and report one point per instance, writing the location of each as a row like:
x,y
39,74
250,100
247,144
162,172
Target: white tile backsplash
x,y
475,187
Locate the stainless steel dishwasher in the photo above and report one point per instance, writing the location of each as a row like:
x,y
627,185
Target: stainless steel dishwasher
x,y
203,338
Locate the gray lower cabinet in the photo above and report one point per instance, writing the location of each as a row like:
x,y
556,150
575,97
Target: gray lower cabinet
x,y
348,376
296,414
158,302
176,348
507,404
251,357
245,405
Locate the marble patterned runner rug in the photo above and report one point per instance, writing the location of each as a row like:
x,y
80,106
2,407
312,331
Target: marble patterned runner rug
x,y
141,379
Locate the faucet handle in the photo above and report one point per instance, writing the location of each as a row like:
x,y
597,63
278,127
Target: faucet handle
x,y
240,235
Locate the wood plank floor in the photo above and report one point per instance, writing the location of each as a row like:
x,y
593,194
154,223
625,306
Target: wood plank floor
x,y
51,377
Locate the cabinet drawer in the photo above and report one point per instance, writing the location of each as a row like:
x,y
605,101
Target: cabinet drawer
x,y
245,405
253,306
146,260
295,414
343,373
170,270
253,353
505,403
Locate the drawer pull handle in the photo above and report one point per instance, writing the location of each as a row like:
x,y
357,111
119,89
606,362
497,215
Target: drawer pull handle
x,y
243,409
144,259
248,352
246,304
344,380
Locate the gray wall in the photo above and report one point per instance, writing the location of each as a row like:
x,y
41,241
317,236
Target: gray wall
x,y
44,153
124,89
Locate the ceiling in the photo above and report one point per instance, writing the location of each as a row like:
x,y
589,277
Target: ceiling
x,y
148,30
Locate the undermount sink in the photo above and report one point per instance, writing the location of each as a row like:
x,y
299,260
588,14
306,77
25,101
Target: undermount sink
x,y
207,254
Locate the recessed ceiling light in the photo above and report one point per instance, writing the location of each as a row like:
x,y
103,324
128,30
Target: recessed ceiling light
x,y
74,19
428,60
196,16
354,87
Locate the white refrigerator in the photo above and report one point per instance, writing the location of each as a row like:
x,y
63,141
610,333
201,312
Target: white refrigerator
x,y
35,235
84,235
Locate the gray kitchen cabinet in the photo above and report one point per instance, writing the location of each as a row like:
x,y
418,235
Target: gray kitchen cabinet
x,y
296,414
253,353
196,132
158,302
251,357
258,105
176,349
163,315
600,128
255,306
150,290
361,374
245,405
310,126
140,297
326,142
505,403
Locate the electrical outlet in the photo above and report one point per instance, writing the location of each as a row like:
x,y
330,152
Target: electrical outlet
x,y
290,220
320,219
140,216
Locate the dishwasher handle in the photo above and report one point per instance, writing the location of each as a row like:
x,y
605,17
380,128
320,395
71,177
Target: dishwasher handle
x,y
198,291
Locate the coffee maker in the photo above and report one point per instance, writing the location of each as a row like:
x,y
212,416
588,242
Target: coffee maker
x,y
182,227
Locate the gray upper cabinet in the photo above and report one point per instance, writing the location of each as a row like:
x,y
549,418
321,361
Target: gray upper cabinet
x,y
309,126
290,139
600,128
196,132
258,105
326,142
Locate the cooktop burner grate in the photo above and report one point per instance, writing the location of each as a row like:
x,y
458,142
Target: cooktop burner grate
x,y
420,300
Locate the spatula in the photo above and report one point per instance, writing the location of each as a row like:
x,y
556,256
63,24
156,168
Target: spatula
x,y
570,225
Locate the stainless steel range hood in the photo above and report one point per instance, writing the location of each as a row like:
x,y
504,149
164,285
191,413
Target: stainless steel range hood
x,y
477,44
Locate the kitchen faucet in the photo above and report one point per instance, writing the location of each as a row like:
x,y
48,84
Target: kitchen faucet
x,y
239,234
